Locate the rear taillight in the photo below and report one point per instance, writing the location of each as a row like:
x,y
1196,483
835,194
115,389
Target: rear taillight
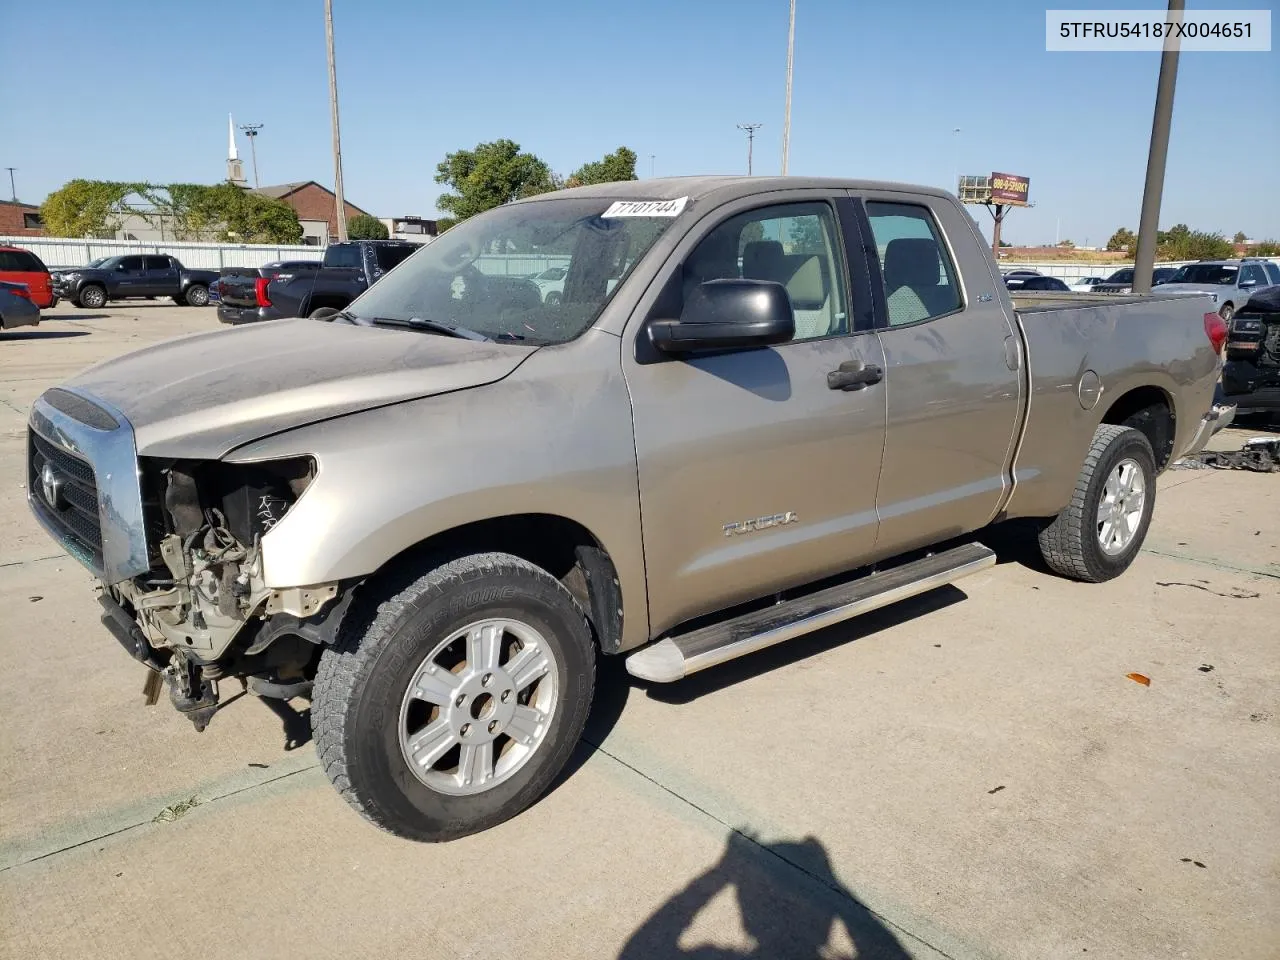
x,y
1215,328
260,291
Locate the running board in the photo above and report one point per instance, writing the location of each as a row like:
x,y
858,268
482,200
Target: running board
x,y
677,657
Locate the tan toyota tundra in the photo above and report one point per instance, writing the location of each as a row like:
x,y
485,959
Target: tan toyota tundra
x,y
752,409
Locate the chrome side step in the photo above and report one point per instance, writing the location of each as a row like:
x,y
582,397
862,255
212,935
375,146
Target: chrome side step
x,y
677,657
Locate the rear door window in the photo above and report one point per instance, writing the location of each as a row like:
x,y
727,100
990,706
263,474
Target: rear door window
x,y
919,278
342,255
388,257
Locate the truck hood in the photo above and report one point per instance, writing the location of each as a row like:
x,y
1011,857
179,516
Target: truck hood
x,y
202,396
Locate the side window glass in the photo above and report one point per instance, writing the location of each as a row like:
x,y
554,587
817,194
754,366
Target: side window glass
x,y
157,264
130,263
919,277
1256,275
795,245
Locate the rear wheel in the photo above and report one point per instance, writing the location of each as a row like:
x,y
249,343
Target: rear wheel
x,y
451,706
91,297
1098,534
197,295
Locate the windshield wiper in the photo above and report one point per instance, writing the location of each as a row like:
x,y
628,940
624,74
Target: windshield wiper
x,y
431,326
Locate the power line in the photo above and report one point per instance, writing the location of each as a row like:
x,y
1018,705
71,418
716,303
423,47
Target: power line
x,y
251,131
751,129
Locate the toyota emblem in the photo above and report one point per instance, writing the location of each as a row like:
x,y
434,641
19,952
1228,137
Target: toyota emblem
x,y
51,487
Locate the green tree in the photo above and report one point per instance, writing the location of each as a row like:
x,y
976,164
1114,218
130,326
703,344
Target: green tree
x,y
1266,248
365,227
805,235
86,208
1123,240
488,176
1239,237
1180,242
619,165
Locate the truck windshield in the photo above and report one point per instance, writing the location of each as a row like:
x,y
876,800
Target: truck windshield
x,y
477,275
1215,273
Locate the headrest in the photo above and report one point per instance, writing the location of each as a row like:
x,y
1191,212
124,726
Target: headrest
x,y
911,262
762,260
806,287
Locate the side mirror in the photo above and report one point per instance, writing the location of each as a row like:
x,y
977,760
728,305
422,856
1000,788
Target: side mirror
x,y
120,268
1248,283
727,315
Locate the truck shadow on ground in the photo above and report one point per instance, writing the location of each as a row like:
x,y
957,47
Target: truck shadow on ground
x,y
40,334
788,898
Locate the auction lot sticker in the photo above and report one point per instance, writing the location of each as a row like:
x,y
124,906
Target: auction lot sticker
x,y
646,208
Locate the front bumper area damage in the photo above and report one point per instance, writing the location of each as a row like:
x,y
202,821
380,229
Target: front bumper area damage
x,y
177,548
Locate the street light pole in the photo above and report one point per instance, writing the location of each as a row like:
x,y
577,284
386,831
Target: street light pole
x,y
1157,155
751,129
12,189
333,110
251,131
786,116
651,166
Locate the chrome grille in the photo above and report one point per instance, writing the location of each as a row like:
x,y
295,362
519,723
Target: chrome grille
x,y
73,510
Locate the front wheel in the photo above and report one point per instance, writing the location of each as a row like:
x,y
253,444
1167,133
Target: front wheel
x,y
91,298
449,706
1098,534
197,295
1227,312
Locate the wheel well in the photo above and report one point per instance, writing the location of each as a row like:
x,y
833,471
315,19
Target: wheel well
x,y
562,547
1149,410
315,303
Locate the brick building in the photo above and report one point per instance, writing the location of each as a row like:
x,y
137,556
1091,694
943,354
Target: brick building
x,y
18,219
316,207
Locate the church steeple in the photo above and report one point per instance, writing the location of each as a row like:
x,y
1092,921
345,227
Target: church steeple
x,y
235,169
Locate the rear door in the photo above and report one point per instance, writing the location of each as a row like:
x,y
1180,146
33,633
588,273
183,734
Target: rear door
x,y
952,362
754,474
161,277
129,278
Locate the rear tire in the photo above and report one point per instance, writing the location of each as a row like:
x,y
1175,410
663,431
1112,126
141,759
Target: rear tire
x,y
1098,534
394,676
91,298
197,295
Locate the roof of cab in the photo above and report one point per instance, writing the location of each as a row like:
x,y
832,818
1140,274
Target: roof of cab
x,y
695,188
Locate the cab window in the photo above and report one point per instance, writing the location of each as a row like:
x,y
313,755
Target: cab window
x,y
792,244
918,275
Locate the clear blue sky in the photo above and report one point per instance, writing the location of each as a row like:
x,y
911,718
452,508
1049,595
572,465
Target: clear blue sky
x,y
140,89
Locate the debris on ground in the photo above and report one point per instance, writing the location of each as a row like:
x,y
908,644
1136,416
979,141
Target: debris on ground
x,y
1236,592
1261,455
1139,678
176,811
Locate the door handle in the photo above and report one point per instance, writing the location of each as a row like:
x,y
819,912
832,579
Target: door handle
x,y
854,375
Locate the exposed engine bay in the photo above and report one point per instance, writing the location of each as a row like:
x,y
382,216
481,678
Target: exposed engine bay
x,y
203,612
1251,376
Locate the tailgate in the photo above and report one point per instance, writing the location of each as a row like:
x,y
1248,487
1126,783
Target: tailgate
x,y
237,286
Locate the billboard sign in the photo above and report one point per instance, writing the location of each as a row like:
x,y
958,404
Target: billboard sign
x,y
1007,188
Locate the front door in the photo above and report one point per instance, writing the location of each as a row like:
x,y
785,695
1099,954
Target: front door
x,y
952,362
162,277
129,278
755,475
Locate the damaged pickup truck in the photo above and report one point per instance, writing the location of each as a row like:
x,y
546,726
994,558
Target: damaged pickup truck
x,y
758,409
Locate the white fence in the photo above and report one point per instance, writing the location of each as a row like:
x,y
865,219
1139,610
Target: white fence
x,y
60,252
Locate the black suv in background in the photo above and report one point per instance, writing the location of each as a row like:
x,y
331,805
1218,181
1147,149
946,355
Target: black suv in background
x,y
300,288
132,277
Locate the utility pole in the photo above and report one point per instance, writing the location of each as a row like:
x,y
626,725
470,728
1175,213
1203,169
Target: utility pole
x,y
12,189
251,131
651,166
751,129
333,109
786,116
1145,257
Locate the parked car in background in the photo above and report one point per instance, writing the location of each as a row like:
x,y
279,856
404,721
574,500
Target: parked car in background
x,y
435,512
300,288
551,284
24,267
1230,282
1084,284
1122,280
1020,273
134,276
1251,376
1052,284
16,306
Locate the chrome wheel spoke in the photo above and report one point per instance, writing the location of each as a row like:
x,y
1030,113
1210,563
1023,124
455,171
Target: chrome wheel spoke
x,y
435,685
475,766
431,743
484,646
528,665
527,724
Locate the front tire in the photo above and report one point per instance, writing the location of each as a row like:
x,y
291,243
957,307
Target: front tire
x,y
92,298
452,705
1227,312
1098,534
197,295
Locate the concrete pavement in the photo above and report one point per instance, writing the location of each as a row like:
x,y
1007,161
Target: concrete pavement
x,y
969,774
